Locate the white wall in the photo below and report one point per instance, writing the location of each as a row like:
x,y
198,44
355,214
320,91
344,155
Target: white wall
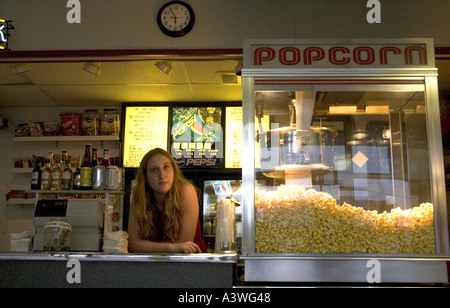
x,y
18,218
131,24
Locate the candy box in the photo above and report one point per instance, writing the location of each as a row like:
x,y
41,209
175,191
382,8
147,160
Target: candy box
x,y
51,128
22,130
36,129
70,124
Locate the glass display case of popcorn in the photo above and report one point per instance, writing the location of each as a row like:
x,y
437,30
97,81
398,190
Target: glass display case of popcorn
x,y
352,160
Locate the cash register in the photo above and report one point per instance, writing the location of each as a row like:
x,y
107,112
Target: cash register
x,y
85,217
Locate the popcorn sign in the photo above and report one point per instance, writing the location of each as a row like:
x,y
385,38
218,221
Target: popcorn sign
x,y
308,54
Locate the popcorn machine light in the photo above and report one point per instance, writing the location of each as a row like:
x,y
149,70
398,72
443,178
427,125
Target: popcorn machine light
x,y
352,167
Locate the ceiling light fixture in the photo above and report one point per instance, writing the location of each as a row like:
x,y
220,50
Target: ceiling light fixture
x,y
93,68
20,68
166,67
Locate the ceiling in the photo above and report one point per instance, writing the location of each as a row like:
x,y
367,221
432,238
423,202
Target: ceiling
x,y
67,84
192,80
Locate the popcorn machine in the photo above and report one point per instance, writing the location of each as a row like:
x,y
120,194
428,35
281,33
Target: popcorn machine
x,y
352,161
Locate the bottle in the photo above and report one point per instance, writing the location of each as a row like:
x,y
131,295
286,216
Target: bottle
x,y
86,170
105,161
46,176
121,176
94,161
77,176
87,155
66,181
98,172
36,175
111,177
56,177
50,158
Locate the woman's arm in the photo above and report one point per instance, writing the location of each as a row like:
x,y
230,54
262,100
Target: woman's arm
x,y
184,245
190,211
145,246
135,244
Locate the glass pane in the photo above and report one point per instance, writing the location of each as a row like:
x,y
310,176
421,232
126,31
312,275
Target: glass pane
x,y
345,172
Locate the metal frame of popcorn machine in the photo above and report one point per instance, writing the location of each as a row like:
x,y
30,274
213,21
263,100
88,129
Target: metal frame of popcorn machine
x,y
345,136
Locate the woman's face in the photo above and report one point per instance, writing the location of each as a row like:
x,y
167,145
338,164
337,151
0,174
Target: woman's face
x,y
159,174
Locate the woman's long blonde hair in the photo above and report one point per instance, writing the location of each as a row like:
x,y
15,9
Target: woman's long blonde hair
x,y
143,197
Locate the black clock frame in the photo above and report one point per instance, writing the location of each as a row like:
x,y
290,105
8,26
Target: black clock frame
x,y
178,33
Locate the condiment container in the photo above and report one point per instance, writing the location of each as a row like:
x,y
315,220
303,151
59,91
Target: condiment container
x,y
90,123
21,242
57,236
109,122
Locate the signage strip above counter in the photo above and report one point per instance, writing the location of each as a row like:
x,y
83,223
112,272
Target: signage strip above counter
x,y
291,54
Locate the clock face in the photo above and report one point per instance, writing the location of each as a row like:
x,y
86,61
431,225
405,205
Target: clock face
x,y
176,18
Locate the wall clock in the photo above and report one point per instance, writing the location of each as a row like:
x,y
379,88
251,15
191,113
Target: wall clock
x,y
176,18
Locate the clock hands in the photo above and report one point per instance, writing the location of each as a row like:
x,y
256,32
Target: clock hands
x,y
174,16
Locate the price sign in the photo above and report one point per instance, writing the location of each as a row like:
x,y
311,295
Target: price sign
x,y
233,138
145,128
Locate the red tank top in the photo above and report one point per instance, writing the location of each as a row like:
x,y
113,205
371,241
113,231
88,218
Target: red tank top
x,y
159,222
198,238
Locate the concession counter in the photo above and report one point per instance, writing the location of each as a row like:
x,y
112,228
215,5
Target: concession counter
x,y
347,183
93,270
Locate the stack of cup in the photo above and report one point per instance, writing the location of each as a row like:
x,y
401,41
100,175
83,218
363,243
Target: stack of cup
x,y
115,242
21,242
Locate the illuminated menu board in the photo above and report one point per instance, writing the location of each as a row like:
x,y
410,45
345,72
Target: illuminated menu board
x,y
233,138
196,135
146,127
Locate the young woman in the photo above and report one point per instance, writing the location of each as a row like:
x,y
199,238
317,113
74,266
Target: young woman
x,y
164,210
